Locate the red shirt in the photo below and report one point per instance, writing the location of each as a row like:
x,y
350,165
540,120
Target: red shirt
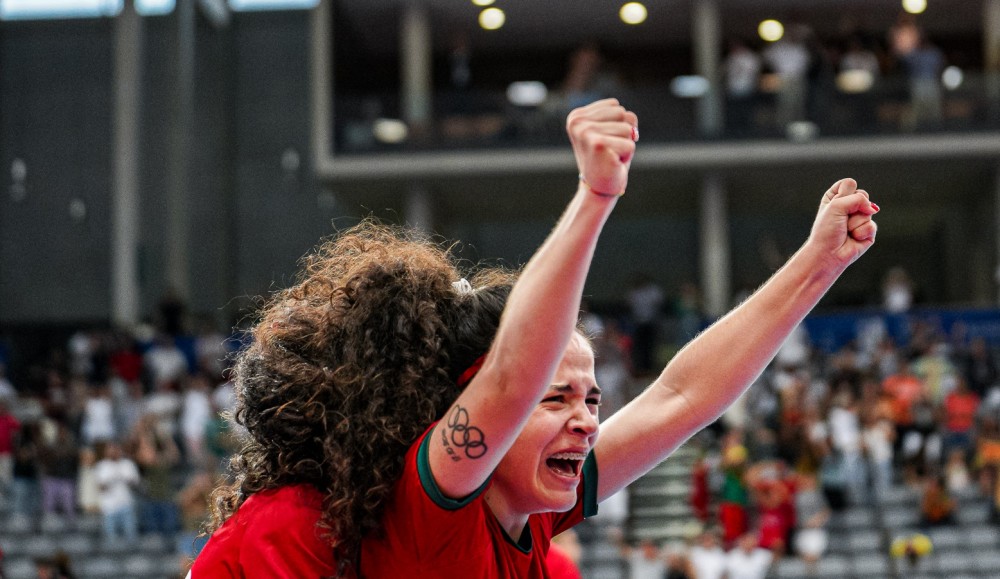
x,y
8,426
960,411
427,535
560,565
272,535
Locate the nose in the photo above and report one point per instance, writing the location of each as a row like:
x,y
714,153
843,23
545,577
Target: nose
x,y
583,422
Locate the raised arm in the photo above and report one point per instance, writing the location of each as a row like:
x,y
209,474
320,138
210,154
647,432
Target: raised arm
x,y
541,312
715,368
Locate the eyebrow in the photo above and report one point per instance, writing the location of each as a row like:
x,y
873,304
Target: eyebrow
x,y
568,388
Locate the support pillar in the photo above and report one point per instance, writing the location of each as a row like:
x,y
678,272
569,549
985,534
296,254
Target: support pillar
x,y
715,259
178,211
706,30
416,58
125,291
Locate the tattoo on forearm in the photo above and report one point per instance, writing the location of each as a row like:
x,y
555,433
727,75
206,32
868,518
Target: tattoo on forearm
x,y
458,434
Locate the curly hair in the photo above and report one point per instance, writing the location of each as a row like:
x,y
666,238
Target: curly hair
x,y
349,366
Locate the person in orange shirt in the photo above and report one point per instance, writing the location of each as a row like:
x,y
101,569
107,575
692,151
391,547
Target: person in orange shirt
x,y
960,406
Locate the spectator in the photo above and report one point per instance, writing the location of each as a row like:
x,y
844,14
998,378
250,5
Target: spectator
x,y
156,456
897,291
747,560
923,66
9,427
905,388
195,416
117,478
98,416
979,366
645,561
164,362
812,516
55,567
87,495
734,496
588,78
742,69
790,60
859,72
878,436
956,473
845,436
130,407
935,369
58,465
706,558
165,404
960,408
645,300
7,391
937,507
25,485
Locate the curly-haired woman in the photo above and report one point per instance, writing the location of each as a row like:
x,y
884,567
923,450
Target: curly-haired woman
x,y
346,369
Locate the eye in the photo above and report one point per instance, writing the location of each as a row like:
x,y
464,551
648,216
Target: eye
x,y
593,401
557,398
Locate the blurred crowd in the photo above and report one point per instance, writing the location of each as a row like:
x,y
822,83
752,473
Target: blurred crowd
x,y
818,434
129,428
124,426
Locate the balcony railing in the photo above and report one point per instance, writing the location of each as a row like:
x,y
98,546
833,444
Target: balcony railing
x,y
845,106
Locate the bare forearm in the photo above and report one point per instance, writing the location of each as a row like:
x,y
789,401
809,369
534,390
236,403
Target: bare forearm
x,y
548,292
717,366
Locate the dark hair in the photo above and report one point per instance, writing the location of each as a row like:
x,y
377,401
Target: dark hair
x,y
349,366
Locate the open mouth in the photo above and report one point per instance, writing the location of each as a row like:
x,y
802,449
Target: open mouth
x,y
567,464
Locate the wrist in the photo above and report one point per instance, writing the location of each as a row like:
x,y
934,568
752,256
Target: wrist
x,y
585,185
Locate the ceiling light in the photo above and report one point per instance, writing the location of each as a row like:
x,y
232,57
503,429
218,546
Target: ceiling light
x,y
952,77
492,18
527,93
483,2
390,131
914,6
689,86
633,13
771,30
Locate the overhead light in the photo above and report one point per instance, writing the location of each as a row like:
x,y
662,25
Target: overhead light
x,y
483,2
689,86
633,13
771,30
914,6
492,18
855,81
527,93
952,77
390,131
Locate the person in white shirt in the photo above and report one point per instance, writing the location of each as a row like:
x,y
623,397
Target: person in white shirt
x,y
706,559
747,560
117,477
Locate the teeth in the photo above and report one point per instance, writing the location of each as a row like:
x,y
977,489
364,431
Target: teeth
x,y
569,456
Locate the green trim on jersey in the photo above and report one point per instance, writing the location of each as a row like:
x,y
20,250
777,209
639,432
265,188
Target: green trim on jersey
x,y
431,488
590,485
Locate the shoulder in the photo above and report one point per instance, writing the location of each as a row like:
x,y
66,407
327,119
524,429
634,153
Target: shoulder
x,y
290,505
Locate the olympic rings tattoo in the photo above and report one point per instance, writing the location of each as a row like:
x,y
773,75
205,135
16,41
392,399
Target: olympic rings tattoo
x,y
469,438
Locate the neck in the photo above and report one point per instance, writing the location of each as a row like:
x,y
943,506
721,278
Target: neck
x,y
512,521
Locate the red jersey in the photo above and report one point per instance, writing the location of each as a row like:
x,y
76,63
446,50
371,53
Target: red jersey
x,y
274,535
427,535
560,564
